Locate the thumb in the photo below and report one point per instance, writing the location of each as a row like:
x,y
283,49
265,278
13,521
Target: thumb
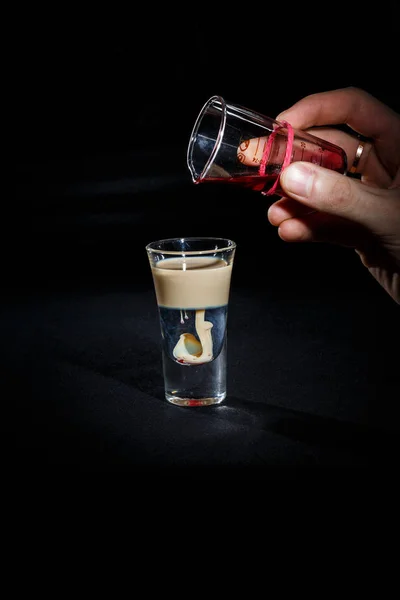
x,y
332,193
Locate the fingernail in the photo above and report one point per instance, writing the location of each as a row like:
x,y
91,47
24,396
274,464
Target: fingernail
x,y
298,179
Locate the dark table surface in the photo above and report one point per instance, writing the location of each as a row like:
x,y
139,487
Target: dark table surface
x,y
313,378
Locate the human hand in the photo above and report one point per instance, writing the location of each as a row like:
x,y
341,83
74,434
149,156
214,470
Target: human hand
x,y
321,205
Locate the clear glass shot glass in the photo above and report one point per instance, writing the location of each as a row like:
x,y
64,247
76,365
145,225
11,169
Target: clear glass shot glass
x,y
192,278
236,145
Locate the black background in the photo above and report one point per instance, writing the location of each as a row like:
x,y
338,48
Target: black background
x,y
101,109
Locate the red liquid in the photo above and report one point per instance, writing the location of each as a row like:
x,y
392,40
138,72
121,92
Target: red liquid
x,y
253,182
330,157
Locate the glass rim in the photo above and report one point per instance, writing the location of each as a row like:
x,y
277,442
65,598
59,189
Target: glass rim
x,y
227,245
218,140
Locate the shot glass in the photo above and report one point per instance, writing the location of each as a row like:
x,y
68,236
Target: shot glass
x,y
232,144
192,278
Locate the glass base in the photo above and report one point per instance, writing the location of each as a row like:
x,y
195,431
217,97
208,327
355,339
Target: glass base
x,y
178,401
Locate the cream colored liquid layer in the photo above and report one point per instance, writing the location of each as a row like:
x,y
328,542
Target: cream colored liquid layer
x,y
192,282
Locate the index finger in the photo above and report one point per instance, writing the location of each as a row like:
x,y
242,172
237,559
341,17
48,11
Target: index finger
x,y
356,108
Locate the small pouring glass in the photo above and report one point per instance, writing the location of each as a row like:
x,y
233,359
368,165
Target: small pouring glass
x,y
236,145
